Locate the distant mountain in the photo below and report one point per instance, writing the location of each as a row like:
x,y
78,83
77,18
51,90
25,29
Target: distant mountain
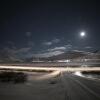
x,y
74,54
93,56
96,51
7,57
69,55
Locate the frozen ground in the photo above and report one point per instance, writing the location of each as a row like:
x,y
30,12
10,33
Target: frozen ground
x,y
36,88
52,86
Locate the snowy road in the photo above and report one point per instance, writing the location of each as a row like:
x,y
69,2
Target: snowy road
x,y
78,88
65,86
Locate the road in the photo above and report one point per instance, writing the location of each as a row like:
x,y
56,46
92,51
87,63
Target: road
x,y
78,88
66,86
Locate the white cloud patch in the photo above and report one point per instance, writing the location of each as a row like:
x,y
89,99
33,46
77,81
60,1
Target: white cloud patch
x,y
54,51
48,54
62,48
57,48
88,47
54,41
68,46
47,43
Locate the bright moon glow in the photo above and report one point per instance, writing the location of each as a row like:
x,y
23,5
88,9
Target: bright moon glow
x,y
82,34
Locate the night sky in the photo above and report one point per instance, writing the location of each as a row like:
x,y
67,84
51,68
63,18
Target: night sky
x,y
49,27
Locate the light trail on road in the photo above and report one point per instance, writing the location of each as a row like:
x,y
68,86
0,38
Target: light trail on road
x,y
72,86
69,69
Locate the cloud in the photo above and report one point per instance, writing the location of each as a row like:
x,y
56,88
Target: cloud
x,y
11,43
22,50
88,47
11,51
68,46
48,54
48,43
31,43
28,34
56,40
62,48
57,48
18,51
54,51
15,53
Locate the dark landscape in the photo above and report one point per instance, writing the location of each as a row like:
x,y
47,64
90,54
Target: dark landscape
x,y
50,50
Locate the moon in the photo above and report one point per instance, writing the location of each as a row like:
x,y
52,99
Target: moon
x,y
82,34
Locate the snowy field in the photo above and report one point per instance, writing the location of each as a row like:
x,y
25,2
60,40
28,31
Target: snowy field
x,y
38,87
54,85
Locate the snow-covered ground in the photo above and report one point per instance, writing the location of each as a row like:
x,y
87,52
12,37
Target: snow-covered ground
x,y
87,75
51,86
34,89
